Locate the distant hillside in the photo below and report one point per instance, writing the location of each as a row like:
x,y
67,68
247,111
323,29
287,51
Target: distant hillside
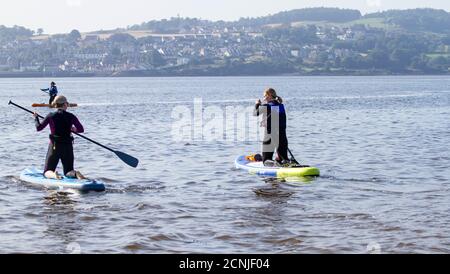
x,y
334,15
414,20
13,33
431,20
428,20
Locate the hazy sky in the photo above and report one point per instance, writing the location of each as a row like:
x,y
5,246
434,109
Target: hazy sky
x,y
61,16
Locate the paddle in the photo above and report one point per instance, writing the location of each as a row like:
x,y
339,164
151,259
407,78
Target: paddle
x,y
128,159
45,91
37,105
292,157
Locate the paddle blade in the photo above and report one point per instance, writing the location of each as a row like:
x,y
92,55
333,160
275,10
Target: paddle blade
x,y
128,159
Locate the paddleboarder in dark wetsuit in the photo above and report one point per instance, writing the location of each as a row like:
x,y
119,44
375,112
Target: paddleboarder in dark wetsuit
x,y
62,124
52,91
274,121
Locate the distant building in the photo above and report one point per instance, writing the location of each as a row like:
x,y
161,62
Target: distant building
x,y
225,52
90,56
182,61
91,38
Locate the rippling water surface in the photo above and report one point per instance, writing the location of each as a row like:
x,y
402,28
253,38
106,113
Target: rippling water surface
x,y
381,143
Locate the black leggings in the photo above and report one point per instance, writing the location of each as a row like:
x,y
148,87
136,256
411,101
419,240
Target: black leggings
x,y
52,97
59,151
282,148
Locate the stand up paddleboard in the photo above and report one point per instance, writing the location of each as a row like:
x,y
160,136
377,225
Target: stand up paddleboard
x,y
258,168
38,105
36,177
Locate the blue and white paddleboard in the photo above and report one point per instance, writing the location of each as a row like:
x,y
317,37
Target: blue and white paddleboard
x,y
36,177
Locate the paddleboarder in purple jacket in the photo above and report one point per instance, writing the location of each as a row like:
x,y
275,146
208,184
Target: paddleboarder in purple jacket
x,y
62,124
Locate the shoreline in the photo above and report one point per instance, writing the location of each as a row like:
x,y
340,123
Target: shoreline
x,y
151,74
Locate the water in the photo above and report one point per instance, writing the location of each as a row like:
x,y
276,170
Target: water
x,y
381,144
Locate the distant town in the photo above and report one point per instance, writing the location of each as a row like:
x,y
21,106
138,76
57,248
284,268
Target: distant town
x,y
315,41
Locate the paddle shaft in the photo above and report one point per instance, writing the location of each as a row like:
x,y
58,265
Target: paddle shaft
x,y
78,134
127,159
293,158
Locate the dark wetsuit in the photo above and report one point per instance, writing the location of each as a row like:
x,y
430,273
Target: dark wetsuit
x,y
60,147
274,135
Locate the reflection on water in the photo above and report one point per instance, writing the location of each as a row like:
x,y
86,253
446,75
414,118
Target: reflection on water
x,y
273,188
62,219
61,198
299,181
277,186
